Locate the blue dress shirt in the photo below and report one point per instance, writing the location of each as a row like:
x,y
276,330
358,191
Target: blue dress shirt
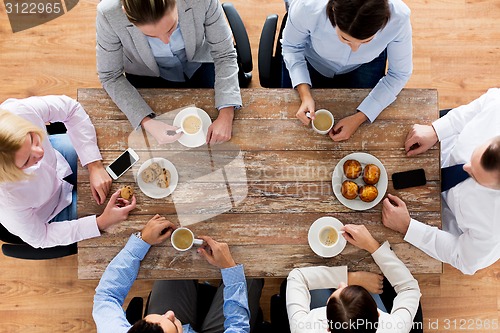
x,y
309,34
121,273
171,58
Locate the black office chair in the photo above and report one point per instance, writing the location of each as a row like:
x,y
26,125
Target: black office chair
x,y
279,316
15,247
269,61
241,44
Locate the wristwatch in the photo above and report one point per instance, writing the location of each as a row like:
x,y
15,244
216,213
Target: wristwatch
x,y
138,234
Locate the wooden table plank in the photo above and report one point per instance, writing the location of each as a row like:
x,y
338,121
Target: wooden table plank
x,y
282,171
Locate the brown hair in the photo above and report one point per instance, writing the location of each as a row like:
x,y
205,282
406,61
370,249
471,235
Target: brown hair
x,y
146,11
354,310
490,160
360,19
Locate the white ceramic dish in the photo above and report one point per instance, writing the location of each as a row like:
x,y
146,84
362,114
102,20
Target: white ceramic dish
x,y
338,177
313,238
151,189
193,141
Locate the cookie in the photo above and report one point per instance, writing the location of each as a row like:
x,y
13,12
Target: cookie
x,y
127,192
156,169
164,179
148,175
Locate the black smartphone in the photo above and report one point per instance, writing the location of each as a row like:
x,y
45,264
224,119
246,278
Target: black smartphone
x,y
408,178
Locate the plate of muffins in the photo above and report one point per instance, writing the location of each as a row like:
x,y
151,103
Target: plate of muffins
x,y
359,181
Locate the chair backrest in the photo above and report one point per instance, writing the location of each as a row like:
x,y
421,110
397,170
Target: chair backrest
x,y
270,58
241,44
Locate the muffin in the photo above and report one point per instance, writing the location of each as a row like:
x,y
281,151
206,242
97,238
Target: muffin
x,y
368,193
127,192
352,169
371,174
349,189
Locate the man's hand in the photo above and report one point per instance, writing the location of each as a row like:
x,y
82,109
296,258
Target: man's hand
x,y
216,253
395,215
372,282
307,104
419,139
116,211
346,127
157,230
100,181
158,130
221,129
360,237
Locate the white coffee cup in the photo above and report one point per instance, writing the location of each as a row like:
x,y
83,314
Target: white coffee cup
x,y
323,121
182,239
191,124
329,236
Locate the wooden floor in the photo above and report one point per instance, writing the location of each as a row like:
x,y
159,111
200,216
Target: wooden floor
x,y
456,50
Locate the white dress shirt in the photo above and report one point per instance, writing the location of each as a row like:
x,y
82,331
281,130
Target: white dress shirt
x,y
309,34
300,280
27,206
470,239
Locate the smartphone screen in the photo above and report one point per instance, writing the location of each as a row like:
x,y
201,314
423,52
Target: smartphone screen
x,y
122,163
409,178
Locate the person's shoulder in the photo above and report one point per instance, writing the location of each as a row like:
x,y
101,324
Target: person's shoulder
x,y
308,7
399,10
107,6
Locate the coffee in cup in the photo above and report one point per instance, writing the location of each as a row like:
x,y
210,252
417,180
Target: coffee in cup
x,y
191,124
323,121
183,239
328,236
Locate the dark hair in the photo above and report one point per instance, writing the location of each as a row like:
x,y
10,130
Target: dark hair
x,y
146,11
490,160
143,326
360,19
354,305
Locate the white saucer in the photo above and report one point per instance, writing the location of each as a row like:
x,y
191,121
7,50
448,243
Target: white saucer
x,y
151,189
338,177
314,243
193,141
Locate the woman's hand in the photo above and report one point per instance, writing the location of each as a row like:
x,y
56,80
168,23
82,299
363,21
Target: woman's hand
x,y
100,181
221,129
372,282
360,237
116,211
158,130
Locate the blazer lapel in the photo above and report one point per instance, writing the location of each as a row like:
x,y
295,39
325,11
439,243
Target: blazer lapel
x,y
143,49
187,24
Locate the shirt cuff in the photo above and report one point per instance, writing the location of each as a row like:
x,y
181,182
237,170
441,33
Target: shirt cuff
x,y
236,106
88,227
233,275
443,128
415,233
380,251
371,108
137,247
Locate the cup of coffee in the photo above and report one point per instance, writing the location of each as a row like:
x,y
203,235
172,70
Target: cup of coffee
x,y
328,236
323,121
183,239
191,124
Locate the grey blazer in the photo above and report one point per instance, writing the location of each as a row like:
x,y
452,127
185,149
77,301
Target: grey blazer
x,y
123,48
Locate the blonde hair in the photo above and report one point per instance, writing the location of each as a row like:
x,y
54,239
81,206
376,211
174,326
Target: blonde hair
x,y
13,131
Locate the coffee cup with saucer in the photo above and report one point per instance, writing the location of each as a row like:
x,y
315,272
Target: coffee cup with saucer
x,y
325,237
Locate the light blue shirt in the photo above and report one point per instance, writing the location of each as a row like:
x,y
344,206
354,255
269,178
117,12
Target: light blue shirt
x,y
309,34
171,58
121,273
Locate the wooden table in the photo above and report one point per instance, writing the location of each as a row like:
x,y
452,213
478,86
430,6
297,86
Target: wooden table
x,y
284,187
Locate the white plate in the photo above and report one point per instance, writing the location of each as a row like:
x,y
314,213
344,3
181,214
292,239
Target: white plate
x,y
150,189
193,141
338,177
314,243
